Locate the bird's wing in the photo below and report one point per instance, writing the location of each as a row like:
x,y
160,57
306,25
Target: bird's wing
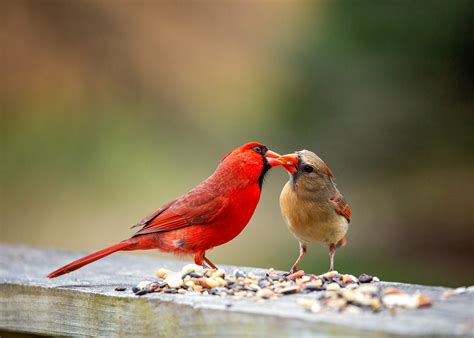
x,y
196,207
148,219
341,206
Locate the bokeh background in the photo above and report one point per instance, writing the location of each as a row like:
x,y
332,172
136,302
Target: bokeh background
x,y
111,108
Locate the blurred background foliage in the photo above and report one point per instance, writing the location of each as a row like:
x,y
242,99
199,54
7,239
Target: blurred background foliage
x,y
111,108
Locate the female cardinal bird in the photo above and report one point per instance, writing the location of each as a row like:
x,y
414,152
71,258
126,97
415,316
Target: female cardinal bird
x,y
312,206
211,214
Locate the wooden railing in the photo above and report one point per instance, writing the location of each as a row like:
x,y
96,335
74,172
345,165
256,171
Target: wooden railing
x,y
86,303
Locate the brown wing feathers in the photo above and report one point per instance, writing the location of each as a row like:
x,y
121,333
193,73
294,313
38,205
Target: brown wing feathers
x,y
341,206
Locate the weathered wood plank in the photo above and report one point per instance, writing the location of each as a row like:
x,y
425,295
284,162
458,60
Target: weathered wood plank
x,y
85,303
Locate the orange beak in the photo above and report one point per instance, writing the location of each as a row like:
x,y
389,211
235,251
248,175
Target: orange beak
x,y
290,162
273,158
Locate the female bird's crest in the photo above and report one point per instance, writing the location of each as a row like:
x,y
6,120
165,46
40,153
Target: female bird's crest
x,y
309,170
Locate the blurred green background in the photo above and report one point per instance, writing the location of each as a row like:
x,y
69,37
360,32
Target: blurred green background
x,y
112,108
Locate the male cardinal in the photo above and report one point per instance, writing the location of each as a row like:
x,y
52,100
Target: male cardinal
x,y
211,214
312,206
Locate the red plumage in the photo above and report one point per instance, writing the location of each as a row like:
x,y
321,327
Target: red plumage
x,y
211,214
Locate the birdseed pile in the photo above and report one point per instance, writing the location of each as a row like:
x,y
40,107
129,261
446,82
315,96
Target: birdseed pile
x,y
330,291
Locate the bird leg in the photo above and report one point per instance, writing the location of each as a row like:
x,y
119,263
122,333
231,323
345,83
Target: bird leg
x,y
332,252
294,268
201,259
209,263
198,257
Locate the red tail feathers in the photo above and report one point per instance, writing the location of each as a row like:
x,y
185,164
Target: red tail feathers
x,y
90,258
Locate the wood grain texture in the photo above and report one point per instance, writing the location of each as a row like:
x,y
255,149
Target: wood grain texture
x,y
85,303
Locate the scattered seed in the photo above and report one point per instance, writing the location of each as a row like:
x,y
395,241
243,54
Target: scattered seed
x,y
220,281
211,283
191,268
263,282
254,287
141,292
274,277
330,274
189,284
239,274
171,291
335,292
162,273
393,291
333,287
346,279
142,284
191,274
265,293
296,275
457,291
424,301
318,282
311,288
218,273
364,278
174,280
289,290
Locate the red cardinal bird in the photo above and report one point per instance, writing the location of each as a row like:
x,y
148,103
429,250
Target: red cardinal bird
x,y
211,214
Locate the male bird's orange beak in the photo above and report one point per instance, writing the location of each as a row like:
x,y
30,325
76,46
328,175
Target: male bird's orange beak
x,y
289,162
273,158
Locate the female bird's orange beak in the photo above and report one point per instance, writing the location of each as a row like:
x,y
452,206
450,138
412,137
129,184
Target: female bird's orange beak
x,y
290,162
273,158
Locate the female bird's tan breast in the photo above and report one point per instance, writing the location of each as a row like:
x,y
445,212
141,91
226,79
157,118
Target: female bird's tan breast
x,y
311,220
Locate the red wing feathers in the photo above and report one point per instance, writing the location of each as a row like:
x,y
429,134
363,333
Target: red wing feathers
x,y
341,206
196,207
145,221
166,221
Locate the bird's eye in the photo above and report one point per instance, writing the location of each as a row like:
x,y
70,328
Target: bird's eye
x,y
257,149
308,168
